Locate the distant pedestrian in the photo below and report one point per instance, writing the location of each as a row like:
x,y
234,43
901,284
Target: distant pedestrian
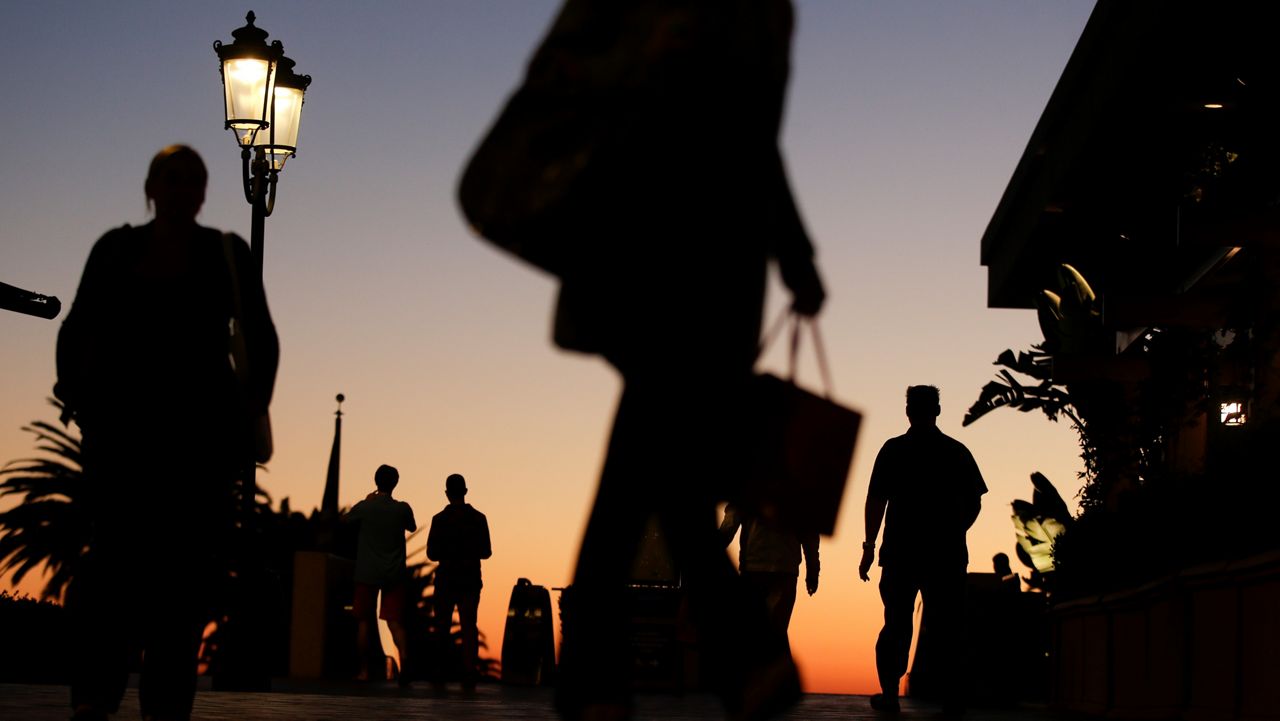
x,y
932,489
458,541
380,565
769,562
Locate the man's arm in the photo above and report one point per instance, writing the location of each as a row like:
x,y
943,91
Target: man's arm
x,y
433,543
353,514
410,523
973,501
486,549
877,501
874,516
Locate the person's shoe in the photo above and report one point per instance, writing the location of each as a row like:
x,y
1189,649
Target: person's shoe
x,y
885,704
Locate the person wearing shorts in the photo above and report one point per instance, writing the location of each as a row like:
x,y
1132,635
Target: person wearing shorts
x,y
380,564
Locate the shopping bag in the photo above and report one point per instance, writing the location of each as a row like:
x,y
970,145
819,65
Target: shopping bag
x,y
803,447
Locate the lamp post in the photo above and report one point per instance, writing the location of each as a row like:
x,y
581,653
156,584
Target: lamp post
x,y
263,99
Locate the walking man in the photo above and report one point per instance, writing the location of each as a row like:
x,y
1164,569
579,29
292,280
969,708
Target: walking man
x,y
380,564
769,562
458,541
931,488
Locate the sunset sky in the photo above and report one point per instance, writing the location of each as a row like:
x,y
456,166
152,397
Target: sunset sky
x,y
904,123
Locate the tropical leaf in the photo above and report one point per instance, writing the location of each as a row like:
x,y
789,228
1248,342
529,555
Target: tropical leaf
x,y
50,527
1038,524
1046,500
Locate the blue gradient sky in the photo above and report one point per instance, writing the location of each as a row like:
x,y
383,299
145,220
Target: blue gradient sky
x,y
904,123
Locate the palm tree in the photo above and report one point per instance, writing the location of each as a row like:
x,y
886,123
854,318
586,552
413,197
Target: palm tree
x,y
51,524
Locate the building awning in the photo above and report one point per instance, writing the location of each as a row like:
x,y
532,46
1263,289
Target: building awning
x,y
1157,155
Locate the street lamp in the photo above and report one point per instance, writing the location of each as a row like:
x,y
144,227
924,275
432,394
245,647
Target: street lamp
x,y
263,99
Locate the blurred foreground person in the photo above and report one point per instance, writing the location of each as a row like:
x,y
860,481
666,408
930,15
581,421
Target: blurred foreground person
x,y
646,140
145,369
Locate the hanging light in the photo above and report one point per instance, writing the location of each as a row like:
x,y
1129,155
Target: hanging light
x,y
248,67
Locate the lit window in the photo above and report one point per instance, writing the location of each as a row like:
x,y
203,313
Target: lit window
x,y
1232,414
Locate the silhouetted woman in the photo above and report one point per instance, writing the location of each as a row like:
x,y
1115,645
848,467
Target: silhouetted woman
x,y
668,284
144,368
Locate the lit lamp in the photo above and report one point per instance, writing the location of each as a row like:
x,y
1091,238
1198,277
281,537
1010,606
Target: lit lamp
x,y
1232,413
248,67
280,142
262,97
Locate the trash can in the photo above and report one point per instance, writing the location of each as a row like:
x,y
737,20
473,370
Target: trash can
x,y
528,642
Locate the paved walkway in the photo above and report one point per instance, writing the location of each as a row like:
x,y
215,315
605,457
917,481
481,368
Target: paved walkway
x,y
351,702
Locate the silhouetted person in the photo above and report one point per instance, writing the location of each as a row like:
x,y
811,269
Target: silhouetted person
x,y
932,490
664,276
380,565
458,541
1009,581
143,367
769,562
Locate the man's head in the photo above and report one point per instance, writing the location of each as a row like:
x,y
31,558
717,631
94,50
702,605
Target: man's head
x,y
1000,564
386,478
455,487
923,406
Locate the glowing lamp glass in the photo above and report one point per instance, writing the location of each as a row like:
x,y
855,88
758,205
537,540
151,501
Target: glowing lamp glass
x,y
247,83
288,114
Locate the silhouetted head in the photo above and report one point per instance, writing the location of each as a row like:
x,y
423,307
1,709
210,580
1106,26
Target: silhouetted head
x,y
386,478
1000,563
176,182
923,406
455,487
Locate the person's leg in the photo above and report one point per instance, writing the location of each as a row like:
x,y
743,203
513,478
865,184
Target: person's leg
x,y
167,686
392,611
781,600
468,607
943,594
443,603
740,644
893,646
102,599
595,653
100,607
706,443
366,596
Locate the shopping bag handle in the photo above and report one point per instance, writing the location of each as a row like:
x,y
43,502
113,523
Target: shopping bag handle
x,y
797,321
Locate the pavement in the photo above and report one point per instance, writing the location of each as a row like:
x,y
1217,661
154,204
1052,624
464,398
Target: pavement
x,y
490,702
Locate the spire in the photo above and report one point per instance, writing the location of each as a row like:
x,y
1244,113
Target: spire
x,y
329,506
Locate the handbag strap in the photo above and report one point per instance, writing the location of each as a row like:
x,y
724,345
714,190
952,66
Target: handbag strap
x,y
239,351
794,352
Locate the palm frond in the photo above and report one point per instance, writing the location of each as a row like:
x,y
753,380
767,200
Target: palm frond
x,y
49,529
